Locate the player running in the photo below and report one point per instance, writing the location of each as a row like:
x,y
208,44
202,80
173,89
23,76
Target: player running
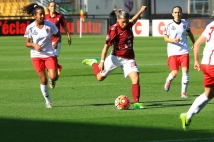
x,y
178,49
120,35
42,52
208,71
58,19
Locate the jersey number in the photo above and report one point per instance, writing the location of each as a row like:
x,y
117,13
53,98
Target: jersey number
x,y
212,28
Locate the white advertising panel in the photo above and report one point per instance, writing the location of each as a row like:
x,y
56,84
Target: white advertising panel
x,y
158,27
141,28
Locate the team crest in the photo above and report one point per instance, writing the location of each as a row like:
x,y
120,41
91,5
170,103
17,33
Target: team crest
x,y
128,4
184,26
47,30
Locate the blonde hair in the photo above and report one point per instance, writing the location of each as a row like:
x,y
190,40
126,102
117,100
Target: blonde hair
x,y
122,14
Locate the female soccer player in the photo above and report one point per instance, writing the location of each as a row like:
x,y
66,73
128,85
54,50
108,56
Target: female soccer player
x,y
58,19
120,35
42,52
178,49
208,71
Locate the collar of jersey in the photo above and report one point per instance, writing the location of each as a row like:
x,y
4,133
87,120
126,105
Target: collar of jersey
x,y
177,22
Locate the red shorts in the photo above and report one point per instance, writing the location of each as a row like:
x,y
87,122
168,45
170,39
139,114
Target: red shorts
x,y
178,60
42,63
208,71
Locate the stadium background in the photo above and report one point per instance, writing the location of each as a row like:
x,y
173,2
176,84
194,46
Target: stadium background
x,y
197,12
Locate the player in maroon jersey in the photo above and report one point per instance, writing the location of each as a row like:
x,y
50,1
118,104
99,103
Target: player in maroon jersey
x,y
120,36
58,19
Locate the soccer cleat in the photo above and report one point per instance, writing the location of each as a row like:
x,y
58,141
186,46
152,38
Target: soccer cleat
x,y
167,86
138,106
90,62
59,69
48,105
52,84
184,121
184,95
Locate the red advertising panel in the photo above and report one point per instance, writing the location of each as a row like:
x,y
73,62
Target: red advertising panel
x,y
90,26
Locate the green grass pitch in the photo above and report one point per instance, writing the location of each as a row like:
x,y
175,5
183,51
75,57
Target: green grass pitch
x,y
83,108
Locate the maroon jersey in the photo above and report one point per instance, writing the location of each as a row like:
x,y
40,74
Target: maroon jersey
x,y
58,20
122,40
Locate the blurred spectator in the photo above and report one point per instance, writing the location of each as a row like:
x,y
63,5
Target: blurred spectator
x,y
113,17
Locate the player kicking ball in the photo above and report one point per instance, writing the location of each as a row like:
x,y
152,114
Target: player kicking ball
x,y
120,36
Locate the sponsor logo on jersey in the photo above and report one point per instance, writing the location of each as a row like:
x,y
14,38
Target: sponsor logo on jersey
x,y
173,28
35,32
184,26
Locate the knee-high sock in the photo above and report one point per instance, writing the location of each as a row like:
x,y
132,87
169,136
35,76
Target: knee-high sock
x,y
184,82
45,93
95,69
197,105
169,78
135,92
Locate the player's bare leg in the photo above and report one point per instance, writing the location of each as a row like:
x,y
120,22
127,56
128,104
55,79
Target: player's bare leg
x,y
53,76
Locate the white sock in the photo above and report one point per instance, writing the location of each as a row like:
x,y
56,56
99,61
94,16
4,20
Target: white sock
x,y
197,105
184,82
169,78
45,93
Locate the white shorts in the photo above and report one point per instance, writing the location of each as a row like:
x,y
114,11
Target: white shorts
x,y
57,51
112,62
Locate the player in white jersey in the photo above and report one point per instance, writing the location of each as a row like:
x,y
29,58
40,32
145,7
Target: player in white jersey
x,y
42,51
178,49
208,71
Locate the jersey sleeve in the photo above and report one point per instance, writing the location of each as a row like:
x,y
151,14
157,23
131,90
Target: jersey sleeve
x,y
54,29
188,28
206,32
62,21
166,30
28,33
111,35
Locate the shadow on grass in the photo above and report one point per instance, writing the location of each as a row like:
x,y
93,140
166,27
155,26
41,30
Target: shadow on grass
x,y
13,130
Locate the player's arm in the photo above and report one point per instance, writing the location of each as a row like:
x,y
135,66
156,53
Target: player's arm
x,y
68,34
167,39
197,45
34,45
103,56
191,38
58,35
134,19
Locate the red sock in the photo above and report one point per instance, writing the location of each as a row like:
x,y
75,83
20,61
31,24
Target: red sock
x,y
95,69
135,92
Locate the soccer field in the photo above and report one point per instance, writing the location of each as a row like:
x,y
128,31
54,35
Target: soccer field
x,y
83,108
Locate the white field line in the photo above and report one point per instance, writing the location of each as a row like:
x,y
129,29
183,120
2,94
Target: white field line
x,y
79,66
180,140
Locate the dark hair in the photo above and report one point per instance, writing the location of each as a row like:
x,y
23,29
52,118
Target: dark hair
x,y
176,7
31,8
122,14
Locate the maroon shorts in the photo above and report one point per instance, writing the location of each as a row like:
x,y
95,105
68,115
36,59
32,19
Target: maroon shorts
x,y
178,60
42,63
208,71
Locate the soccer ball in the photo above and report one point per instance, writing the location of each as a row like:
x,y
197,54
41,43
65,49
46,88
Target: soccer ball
x,y
122,102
